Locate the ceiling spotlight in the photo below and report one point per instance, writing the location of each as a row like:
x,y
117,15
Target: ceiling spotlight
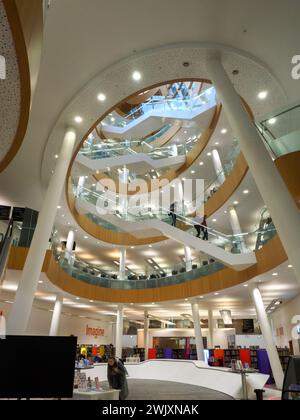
x,y
246,285
262,95
59,207
136,76
224,131
225,211
41,282
236,203
192,172
86,237
214,220
201,163
275,274
201,297
78,119
56,156
272,121
91,301
217,294
77,298
132,247
209,154
246,192
217,143
290,266
150,246
101,97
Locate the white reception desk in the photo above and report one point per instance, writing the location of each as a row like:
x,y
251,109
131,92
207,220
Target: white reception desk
x,y
189,372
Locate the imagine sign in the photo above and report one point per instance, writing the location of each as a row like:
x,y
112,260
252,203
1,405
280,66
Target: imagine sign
x,y
94,332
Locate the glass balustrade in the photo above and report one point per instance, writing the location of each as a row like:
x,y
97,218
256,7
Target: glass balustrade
x,y
162,104
281,132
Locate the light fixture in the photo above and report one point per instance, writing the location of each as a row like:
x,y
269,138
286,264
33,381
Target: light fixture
x,y
91,301
201,163
217,294
132,247
209,154
136,75
56,156
112,119
41,282
86,237
214,220
78,119
185,132
246,192
290,266
224,131
201,297
77,298
225,211
275,274
272,121
192,172
246,285
59,207
217,143
101,97
236,203
262,95
150,246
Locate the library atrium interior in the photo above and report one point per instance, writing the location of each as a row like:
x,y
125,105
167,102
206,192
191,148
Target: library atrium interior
x,y
149,199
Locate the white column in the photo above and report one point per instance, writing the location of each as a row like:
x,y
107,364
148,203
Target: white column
x,y
122,264
218,166
236,227
275,194
123,200
69,246
267,335
211,329
198,332
146,334
188,258
54,328
119,331
21,309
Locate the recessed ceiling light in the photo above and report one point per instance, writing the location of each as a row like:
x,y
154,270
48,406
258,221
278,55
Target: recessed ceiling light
x,y
62,215
246,192
77,298
236,203
201,163
290,266
59,207
136,75
224,131
101,97
193,172
132,247
217,143
56,156
225,212
86,237
185,132
208,154
246,285
41,282
153,303
201,297
217,294
262,95
186,300
78,119
214,220
91,301
112,119
275,274
272,121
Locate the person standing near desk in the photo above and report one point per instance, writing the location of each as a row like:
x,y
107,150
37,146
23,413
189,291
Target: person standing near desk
x,y
116,376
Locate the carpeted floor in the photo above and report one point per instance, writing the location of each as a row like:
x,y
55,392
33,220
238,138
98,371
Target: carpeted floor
x,y
160,390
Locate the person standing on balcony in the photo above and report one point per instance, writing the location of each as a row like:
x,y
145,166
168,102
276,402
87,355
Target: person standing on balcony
x,y
204,228
197,225
173,210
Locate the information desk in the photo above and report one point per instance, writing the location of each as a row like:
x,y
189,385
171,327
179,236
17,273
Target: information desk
x,y
111,394
190,372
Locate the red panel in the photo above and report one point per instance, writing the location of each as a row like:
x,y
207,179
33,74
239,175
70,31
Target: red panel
x,y
151,354
219,355
245,357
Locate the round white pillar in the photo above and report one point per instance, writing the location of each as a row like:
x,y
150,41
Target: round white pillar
x,y
146,334
21,309
122,264
218,166
198,332
54,328
211,329
69,246
236,228
275,194
119,331
267,335
188,258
